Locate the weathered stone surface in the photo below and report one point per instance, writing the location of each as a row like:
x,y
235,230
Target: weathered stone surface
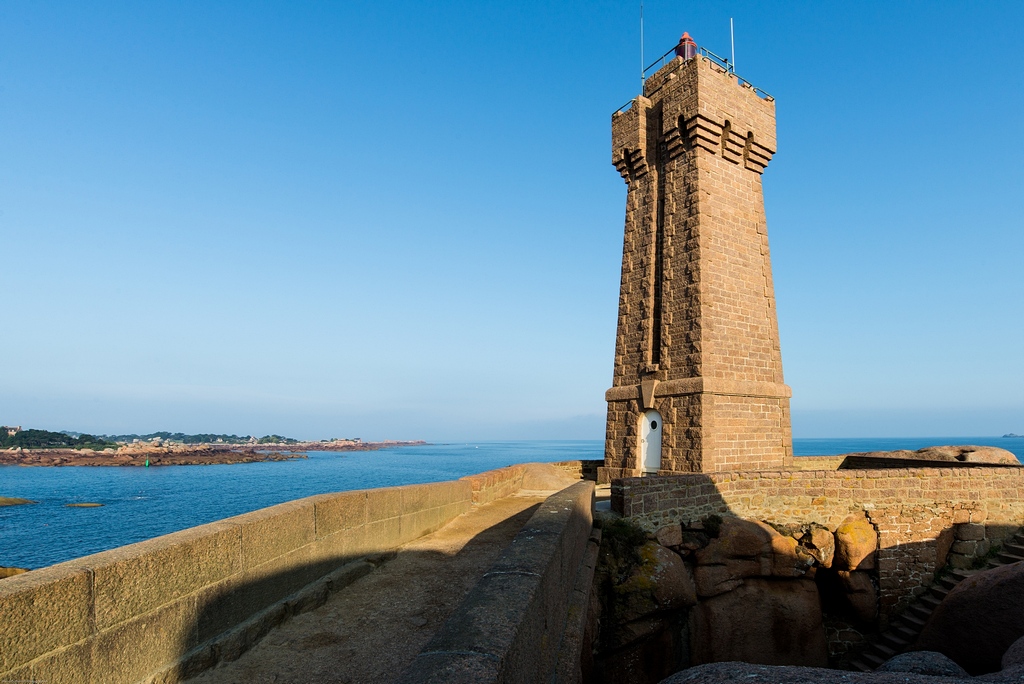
x,y
747,548
546,477
673,584
737,538
970,532
979,619
923,662
943,542
693,540
662,582
712,580
969,454
1014,655
644,661
670,535
743,673
953,454
821,544
966,548
856,542
788,558
860,594
769,621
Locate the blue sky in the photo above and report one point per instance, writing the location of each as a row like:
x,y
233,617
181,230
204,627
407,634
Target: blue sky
x,y
400,220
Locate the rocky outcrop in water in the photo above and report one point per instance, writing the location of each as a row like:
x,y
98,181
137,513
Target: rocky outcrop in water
x,y
162,454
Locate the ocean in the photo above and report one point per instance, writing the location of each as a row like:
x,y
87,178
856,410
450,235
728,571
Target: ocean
x,y
140,503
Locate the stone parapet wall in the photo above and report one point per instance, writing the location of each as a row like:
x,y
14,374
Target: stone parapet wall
x,y
511,626
816,462
165,608
584,469
914,510
495,484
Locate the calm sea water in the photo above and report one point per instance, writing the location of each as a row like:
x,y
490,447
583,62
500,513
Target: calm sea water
x,y
140,503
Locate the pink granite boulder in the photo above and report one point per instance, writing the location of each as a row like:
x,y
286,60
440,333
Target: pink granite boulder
x,y
979,620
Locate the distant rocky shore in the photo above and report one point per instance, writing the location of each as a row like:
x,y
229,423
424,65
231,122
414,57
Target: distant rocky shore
x,y
164,454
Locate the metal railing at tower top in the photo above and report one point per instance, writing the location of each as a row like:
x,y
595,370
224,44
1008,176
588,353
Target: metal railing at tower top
x,y
721,62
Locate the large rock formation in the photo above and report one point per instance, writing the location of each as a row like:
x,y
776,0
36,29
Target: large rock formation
x,y
923,662
962,454
1014,655
747,548
979,619
767,621
743,673
758,593
661,583
856,541
11,572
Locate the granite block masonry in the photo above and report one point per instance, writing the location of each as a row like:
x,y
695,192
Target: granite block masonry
x,y
697,385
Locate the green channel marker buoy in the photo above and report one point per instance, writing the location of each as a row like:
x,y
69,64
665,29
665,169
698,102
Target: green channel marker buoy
x,y
147,462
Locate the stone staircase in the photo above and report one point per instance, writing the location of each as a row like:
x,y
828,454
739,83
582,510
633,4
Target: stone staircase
x,y
904,630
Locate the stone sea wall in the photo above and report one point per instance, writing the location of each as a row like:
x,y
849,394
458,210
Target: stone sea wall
x,y
165,608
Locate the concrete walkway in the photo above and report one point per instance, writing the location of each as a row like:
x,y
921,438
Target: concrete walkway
x,y
371,630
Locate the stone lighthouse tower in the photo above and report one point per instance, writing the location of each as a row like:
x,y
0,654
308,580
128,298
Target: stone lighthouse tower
x,y
697,385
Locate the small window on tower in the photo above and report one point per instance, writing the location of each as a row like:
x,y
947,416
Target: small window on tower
x,y
726,132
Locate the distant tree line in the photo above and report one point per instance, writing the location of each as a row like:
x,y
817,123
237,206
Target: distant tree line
x,y
203,438
44,439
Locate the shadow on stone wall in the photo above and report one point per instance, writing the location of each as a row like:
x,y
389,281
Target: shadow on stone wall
x,y
790,585
372,628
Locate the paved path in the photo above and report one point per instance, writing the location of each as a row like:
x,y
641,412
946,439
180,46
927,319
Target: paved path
x,y
371,630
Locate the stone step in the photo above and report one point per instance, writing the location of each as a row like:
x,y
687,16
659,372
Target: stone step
x,y
906,628
895,640
873,659
859,665
913,622
920,611
904,632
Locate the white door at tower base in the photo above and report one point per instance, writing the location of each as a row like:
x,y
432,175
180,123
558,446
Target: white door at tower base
x,y
650,442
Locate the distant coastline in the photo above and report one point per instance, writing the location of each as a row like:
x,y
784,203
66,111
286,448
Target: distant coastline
x,y
161,454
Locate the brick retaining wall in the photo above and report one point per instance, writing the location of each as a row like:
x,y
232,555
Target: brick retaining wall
x,y
911,508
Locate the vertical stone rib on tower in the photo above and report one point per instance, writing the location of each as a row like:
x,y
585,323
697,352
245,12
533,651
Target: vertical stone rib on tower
x,y
697,332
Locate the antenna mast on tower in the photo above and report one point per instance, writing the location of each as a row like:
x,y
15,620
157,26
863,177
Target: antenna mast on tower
x,y
732,42
641,46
